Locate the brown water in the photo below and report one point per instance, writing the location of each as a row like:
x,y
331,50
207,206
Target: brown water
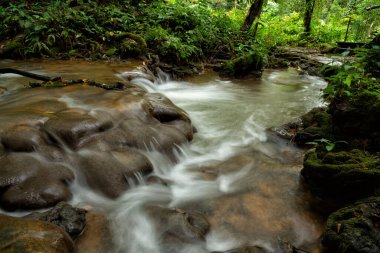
x,y
243,178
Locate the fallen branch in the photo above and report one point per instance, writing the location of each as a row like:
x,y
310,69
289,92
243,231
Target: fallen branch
x,y
48,81
26,74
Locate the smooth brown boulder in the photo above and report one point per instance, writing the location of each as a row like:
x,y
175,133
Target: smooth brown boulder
x,y
112,173
23,138
73,125
28,182
21,235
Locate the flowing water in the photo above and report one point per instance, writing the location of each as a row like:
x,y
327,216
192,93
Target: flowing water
x,y
241,176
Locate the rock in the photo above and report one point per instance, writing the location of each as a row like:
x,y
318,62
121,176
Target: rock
x,y
21,235
344,175
248,249
23,138
73,125
27,182
354,228
251,64
167,113
112,173
316,124
358,117
63,215
179,226
97,236
153,135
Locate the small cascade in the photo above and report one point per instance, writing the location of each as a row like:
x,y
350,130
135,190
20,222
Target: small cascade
x,y
234,185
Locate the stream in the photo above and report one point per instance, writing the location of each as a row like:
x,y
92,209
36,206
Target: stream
x,y
240,176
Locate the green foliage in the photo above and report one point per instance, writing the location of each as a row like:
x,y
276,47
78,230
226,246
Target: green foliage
x,y
356,75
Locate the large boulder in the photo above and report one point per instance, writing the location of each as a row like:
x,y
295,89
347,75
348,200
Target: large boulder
x,y
354,229
21,235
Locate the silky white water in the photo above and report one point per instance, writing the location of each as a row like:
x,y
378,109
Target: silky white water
x,y
257,202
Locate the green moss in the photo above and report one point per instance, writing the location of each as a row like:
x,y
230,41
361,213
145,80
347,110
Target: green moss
x,y
252,63
132,45
354,228
13,48
344,175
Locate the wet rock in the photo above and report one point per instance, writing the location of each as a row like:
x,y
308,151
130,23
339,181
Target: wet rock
x,y
28,182
23,138
21,235
178,225
63,215
113,173
344,175
153,135
249,249
73,125
97,236
168,113
354,228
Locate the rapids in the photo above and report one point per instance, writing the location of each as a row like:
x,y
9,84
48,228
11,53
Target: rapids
x,y
243,178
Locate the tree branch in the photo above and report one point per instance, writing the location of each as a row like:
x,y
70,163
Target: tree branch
x,y
373,7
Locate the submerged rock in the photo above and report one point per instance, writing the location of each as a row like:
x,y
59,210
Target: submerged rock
x,y
71,219
249,249
21,235
97,236
344,175
179,226
354,228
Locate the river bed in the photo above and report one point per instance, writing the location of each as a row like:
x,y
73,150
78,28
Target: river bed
x,y
243,178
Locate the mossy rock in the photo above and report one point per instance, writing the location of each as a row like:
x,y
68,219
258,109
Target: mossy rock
x,y
316,124
344,175
13,48
246,65
132,45
358,117
354,228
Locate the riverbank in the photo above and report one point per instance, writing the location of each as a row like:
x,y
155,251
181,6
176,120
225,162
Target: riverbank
x,y
343,169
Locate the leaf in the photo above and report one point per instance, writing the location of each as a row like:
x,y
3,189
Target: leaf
x,y
348,80
330,146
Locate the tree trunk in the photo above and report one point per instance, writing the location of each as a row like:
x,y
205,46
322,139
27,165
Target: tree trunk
x,y
308,16
348,28
253,14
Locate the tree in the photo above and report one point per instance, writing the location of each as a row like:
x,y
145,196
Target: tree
x,y
309,9
253,15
